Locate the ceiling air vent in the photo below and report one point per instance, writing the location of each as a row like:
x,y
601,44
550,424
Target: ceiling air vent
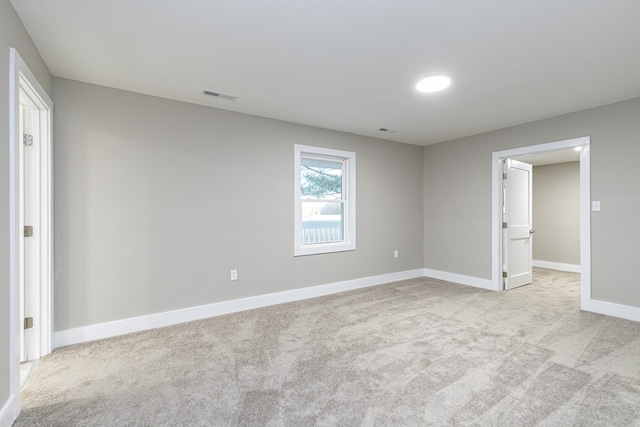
x,y
220,95
387,130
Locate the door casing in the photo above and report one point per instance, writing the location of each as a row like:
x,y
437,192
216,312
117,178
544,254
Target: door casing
x,y
23,83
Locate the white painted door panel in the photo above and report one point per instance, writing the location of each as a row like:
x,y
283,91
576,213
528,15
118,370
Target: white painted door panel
x,y
518,212
28,336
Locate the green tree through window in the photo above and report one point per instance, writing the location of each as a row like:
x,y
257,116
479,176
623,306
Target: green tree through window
x,y
321,179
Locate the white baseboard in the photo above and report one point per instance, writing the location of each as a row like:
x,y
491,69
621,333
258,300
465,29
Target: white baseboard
x,y
9,411
158,320
572,268
615,310
459,278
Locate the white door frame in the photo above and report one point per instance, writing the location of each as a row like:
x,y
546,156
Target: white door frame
x,y
21,79
585,209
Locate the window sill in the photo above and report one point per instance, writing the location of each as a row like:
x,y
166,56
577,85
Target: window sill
x,y
323,248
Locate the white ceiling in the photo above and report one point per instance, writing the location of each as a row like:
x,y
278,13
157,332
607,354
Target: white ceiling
x,y
351,65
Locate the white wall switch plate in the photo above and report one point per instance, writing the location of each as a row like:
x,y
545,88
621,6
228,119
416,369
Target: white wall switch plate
x,y
234,274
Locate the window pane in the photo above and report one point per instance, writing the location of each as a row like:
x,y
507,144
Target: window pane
x,y
322,222
320,179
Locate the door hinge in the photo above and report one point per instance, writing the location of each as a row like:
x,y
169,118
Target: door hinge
x,y
504,274
27,140
28,231
28,322
504,175
504,225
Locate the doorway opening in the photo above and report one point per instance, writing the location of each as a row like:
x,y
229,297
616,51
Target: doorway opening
x,y
31,244
498,243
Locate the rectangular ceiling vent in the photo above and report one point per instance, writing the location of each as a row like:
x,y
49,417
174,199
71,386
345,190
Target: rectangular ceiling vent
x,y
387,130
220,95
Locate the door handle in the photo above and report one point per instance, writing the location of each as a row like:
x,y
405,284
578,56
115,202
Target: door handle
x,y
532,231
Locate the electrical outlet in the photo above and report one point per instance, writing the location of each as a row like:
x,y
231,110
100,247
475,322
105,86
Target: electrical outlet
x,y
395,253
234,274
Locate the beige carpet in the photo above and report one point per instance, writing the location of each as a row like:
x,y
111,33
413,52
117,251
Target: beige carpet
x,y
412,353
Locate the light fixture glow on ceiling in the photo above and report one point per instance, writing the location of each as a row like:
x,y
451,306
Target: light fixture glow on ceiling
x,y
433,84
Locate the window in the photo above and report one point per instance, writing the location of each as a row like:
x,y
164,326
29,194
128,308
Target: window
x,y
325,200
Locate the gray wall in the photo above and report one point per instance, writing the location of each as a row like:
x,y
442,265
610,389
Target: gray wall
x,y
156,201
12,34
457,196
556,213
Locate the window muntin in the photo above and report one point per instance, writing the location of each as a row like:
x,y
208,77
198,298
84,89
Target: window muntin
x,y
324,200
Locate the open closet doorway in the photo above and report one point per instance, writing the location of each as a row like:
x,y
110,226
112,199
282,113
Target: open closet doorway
x,y
555,152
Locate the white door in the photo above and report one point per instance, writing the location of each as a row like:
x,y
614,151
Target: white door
x,y
29,282
517,224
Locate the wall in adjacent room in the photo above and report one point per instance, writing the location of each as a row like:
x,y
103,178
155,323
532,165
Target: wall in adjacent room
x,y
556,213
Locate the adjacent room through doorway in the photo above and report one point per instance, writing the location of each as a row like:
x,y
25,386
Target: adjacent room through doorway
x,y
549,225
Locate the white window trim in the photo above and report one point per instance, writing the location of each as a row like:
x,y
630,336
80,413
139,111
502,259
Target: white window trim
x,y
349,243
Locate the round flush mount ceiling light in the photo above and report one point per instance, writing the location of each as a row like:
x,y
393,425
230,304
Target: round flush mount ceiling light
x,y
433,84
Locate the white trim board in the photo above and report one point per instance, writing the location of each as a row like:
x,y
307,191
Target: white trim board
x,y
461,279
9,412
571,268
158,320
615,310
